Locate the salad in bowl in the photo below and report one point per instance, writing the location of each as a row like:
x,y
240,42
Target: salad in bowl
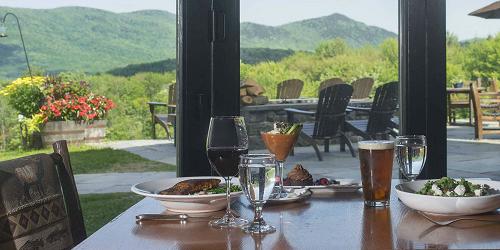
x,y
448,196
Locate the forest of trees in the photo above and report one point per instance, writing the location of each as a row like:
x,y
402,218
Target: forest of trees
x,y
334,58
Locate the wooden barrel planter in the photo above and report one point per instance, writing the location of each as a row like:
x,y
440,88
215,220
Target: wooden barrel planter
x,y
73,132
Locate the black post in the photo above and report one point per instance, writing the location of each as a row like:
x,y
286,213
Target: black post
x,y
207,75
423,77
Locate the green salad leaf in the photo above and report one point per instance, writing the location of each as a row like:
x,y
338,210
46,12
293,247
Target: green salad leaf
x,y
222,189
449,187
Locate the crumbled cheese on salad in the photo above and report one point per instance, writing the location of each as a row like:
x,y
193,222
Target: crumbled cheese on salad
x,y
454,188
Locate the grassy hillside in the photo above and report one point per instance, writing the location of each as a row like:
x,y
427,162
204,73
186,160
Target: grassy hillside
x,y
86,39
92,40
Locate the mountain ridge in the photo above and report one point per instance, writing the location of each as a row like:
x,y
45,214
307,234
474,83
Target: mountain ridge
x,y
94,40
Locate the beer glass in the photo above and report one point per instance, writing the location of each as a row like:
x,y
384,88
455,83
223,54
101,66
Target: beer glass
x,y
376,158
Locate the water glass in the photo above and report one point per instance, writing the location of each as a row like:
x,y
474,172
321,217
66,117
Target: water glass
x,y
411,153
257,179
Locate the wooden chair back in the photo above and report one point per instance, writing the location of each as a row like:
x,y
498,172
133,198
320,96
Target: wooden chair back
x,y
39,205
289,89
362,88
384,106
484,111
331,111
329,82
172,94
493,85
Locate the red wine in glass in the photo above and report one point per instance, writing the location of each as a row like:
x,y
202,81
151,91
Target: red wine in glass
x,y
225,160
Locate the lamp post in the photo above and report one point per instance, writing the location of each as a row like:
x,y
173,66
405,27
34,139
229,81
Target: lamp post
x,y
3,33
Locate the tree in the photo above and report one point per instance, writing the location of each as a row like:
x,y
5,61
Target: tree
x,y
483,58
332,48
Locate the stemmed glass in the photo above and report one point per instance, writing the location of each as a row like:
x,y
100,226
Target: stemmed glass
x,y
227,139
280,145
257,178
411,153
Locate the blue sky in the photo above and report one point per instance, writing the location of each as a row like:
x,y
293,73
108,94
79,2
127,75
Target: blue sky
x,y
382,13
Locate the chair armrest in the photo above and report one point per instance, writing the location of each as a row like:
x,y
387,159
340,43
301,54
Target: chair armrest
x,y
492,94
290,112
157,104
298,111
358,109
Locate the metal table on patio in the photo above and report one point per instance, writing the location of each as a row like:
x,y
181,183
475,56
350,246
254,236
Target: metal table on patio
x,y
336,220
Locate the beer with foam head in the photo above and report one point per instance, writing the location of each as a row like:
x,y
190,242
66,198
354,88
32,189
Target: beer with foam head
x,y
376,158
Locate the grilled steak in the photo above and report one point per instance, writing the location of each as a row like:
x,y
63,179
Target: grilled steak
x,y
191,186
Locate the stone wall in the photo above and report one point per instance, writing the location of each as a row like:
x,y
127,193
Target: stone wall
x,y
262,117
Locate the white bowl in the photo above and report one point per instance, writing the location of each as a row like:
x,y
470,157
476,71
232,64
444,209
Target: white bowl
x,y
448,205
185,203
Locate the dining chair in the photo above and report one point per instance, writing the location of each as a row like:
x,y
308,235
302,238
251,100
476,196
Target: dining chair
x,y
362,88
328,118
165,119
329,82
486,107
39,204
380,121
289,89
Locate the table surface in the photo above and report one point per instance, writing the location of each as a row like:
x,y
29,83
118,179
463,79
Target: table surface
x,y
327,221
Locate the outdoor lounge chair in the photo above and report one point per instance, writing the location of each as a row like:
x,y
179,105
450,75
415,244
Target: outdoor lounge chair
x,y
165,119
289,89
362,88
485,109
329,82
329,118
39,204
380,121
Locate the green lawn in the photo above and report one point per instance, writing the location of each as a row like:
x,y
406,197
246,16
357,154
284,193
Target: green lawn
x,y
87,159
99,209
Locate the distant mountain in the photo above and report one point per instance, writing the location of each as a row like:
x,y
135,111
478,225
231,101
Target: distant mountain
x,y
307,34
92,40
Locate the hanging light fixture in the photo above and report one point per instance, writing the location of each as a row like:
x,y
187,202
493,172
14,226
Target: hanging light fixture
x,y
3,33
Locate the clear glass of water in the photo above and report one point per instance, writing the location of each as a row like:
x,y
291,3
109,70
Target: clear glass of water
x,y
411,152
257,178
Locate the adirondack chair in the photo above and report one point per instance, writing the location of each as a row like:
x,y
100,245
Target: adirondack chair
x,y
362,88
485,109
329,118
329,82
379,123
164,119
39,204
289,89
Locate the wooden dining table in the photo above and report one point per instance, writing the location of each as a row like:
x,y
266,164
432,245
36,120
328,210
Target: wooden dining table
x,y
324,221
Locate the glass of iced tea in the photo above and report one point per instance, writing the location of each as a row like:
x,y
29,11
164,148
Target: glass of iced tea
x,y
376,158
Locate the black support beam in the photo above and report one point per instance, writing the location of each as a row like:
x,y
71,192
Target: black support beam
x,y
423,77
207,75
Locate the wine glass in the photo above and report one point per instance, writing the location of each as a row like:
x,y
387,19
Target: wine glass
x,y
411,153
257,178
227,139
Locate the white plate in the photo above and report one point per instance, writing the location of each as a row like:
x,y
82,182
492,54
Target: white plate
x,y
345,185
298,195
184,203
448,205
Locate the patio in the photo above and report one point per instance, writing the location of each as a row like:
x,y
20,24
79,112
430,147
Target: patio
x,y
466,158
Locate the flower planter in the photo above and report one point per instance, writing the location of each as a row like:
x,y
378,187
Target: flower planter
x,y
73,132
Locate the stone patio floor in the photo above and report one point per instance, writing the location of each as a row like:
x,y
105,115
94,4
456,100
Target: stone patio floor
x,y
466,158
